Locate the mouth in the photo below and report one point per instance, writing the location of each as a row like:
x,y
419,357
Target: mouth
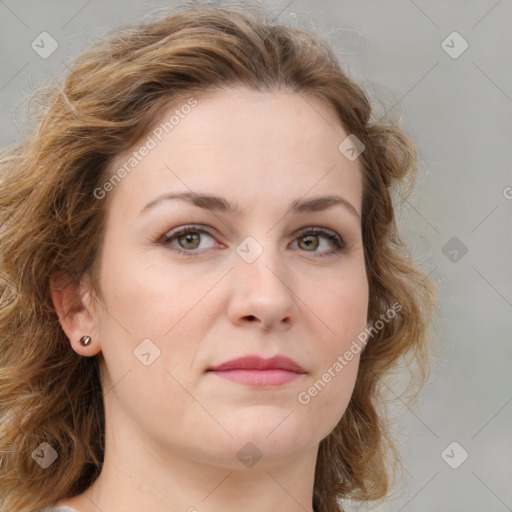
x,y
259,372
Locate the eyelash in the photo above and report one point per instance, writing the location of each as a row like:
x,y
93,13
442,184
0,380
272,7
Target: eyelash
x,y
337,241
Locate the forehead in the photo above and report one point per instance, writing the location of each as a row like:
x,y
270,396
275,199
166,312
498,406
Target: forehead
x,y
270,144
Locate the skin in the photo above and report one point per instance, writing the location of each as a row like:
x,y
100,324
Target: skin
x,y
173,430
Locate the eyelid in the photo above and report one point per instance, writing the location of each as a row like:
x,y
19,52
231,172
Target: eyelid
x,y
317,230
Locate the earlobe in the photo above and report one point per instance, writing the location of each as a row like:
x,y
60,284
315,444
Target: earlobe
x,y
71,301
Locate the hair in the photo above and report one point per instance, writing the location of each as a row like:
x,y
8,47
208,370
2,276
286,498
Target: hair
x,y
52,224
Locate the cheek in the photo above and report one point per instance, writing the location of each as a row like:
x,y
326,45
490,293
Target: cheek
x,y
327,396
341,305
326,393
151,309
149,319
342,309
144,299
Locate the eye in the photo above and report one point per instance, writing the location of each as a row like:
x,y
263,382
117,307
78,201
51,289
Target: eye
x,y
186,239
310,239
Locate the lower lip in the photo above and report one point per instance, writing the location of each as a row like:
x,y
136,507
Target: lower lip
x,y
259,378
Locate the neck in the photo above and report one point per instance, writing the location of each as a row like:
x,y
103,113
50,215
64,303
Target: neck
x,y
137,475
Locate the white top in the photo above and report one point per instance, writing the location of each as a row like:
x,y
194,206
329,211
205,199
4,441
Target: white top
x,y
59,509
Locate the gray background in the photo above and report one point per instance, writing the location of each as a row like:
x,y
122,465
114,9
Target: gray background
x,y
458,111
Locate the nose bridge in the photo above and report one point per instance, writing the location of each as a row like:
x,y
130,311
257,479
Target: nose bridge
x,y
260,264
263,290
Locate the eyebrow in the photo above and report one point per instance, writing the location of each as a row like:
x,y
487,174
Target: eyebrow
x,y
220,204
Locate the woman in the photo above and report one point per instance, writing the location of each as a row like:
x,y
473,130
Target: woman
x,y
202,280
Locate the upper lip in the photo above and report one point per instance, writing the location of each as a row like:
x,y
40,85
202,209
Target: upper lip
x,y
254,362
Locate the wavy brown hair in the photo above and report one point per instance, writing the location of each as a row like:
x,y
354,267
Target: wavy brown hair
x,y
52,224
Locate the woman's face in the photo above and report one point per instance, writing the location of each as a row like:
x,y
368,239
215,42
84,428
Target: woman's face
x,y
267,279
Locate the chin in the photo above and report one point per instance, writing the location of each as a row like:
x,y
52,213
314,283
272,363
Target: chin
x,y
270,441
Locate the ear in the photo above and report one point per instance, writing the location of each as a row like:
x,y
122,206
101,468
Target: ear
x,y
74,306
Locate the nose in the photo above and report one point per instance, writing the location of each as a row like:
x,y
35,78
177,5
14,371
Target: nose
x,y
263,295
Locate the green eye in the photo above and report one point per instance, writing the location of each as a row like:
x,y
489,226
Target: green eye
x,y
310,240
190,240
185,240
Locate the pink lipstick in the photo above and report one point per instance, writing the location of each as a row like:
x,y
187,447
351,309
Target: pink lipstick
x,y
257,371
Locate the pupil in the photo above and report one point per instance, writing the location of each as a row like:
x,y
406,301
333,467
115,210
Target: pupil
x,y
189,239
310,241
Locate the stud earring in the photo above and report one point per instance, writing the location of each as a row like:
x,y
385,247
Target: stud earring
x,y
85,340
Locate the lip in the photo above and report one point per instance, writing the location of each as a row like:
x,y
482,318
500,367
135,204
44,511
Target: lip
x,y
257,371
254,362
